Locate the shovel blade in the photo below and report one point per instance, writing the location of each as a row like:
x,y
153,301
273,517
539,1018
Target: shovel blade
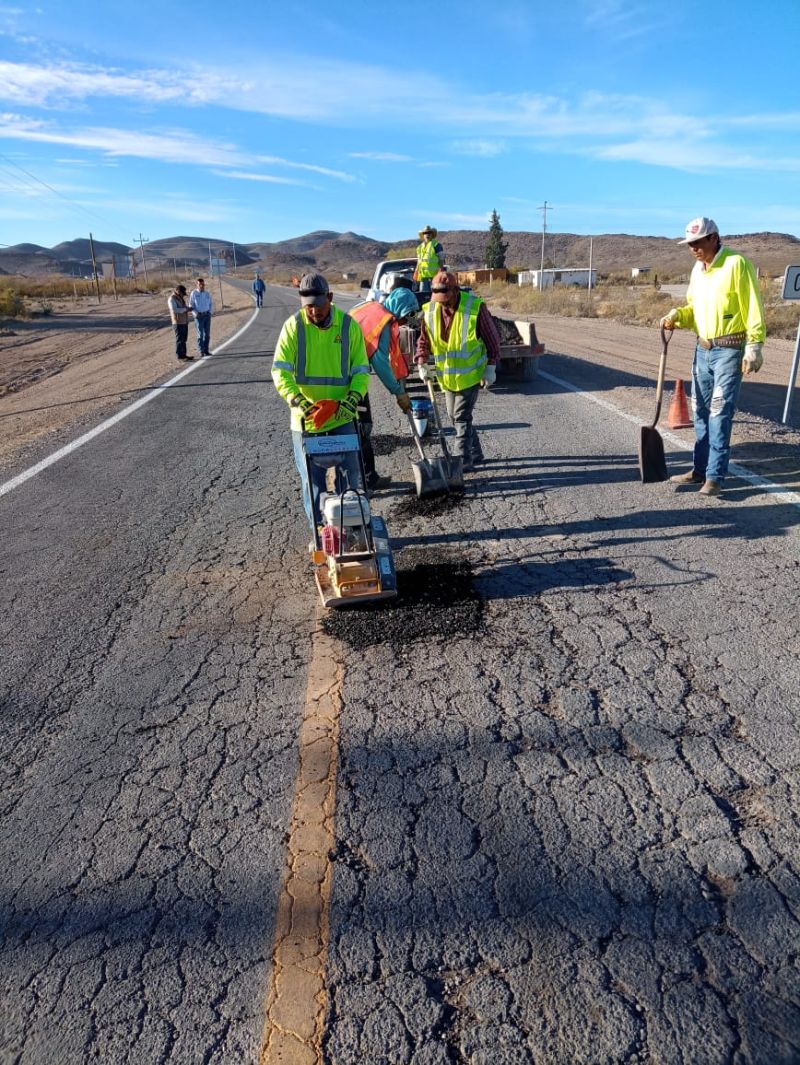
x,y
454,467
428,480
652,463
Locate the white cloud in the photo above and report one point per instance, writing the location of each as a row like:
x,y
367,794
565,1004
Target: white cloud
x,y
381,157
336,90
241,175
484,148
167,146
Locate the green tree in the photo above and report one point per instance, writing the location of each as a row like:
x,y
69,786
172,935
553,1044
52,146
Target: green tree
x,y
495,248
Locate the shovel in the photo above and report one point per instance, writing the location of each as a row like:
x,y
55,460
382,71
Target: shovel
x,y
428,479
452,466
652,463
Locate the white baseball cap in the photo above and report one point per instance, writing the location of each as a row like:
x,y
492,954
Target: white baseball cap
x,y
699,228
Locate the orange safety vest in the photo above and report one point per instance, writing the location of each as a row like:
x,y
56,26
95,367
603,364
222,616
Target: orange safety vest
x,y
372,317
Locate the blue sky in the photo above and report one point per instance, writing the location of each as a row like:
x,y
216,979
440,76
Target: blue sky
x,y
261,121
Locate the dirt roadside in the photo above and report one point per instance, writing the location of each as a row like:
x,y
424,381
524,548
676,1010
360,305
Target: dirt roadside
x,y
60,373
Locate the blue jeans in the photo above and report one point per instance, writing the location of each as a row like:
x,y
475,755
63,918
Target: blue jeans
x,y
181,334
347,462
203,324
716,379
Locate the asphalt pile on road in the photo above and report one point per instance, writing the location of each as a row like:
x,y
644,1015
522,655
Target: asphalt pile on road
x,y
436,598
429,507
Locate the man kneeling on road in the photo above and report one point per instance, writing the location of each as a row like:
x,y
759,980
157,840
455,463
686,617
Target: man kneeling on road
x,y
321,370
380,323
457,329
724,308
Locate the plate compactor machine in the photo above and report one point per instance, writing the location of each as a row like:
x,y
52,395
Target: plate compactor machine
x,y
350,552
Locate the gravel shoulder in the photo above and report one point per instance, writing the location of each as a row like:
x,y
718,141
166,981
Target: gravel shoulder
x,y
68,370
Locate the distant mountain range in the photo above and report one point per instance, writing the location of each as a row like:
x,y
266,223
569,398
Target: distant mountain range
x,y
348,253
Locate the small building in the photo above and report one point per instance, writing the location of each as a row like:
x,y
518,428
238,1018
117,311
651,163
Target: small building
x,y
477,277
566,276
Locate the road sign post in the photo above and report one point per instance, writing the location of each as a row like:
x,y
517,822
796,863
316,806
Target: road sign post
x,y
791,291
218,268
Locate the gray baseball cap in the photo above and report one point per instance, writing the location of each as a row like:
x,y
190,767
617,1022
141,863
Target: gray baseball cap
x,y
314,290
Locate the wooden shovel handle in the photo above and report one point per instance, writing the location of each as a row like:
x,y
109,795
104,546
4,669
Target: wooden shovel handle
x,y
666,336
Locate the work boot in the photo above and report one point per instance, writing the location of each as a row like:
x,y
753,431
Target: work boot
x,y
375,480
690,477
711,488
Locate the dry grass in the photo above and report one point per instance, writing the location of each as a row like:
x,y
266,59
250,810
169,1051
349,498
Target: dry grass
x,y
629,304
23,297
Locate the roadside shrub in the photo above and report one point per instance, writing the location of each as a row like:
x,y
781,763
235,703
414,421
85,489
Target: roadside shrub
x,y
12,305
630,304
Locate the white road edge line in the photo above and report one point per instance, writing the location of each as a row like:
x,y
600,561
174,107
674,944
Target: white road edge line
x,y
157,391
785,495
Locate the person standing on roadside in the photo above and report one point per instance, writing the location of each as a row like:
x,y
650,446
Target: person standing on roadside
x,y
179,315
258,291
380,323
724,308
430,258
320,368
458,330
202,306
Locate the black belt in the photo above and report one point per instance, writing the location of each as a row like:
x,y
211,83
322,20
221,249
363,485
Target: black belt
x,y
732,340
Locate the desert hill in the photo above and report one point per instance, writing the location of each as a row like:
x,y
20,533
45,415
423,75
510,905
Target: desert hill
x,y
338,253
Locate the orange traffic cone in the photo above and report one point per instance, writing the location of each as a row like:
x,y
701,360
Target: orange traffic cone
x,y
679,417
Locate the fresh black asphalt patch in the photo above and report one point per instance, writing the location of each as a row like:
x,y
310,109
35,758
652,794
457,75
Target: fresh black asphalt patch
x,y
436,598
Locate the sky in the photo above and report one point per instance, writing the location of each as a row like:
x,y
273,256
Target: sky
x,y
261,121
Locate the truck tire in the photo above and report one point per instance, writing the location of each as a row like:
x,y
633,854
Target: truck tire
x,y
529,370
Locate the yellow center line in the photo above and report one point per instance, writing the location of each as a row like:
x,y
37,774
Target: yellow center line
x,y
297,999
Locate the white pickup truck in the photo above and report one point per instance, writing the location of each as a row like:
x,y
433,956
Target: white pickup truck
x,y
383,278
519,346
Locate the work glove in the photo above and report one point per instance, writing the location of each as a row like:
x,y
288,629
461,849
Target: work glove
x,y
669,319
403,402
320,412
489,375
299,400
426,372
349,405
751,363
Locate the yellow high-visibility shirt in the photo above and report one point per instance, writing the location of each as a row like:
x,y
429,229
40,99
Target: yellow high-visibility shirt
x,y
724,298
320,363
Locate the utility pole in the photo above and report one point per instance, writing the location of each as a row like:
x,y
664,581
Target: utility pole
x,y
591,249
142,241
94,269
234,257
544,209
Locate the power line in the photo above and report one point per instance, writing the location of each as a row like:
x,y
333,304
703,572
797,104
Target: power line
x,y
73,203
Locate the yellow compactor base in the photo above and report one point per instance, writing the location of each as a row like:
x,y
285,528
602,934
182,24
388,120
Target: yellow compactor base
x,y
348,581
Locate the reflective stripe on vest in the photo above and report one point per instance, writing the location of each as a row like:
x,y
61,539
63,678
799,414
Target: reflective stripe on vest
x,y
464,360
343,379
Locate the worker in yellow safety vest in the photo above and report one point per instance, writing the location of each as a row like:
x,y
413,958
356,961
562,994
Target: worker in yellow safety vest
x,y
725,310
458,331
430,258
320,368
380,324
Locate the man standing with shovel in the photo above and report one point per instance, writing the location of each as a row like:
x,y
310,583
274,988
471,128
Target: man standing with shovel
x,y
724,308
457,329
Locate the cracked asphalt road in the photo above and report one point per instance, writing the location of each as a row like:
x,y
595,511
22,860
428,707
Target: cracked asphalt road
x,y
570,835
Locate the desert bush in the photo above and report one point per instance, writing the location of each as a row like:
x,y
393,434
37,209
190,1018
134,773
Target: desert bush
x,y
630,304
12,305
